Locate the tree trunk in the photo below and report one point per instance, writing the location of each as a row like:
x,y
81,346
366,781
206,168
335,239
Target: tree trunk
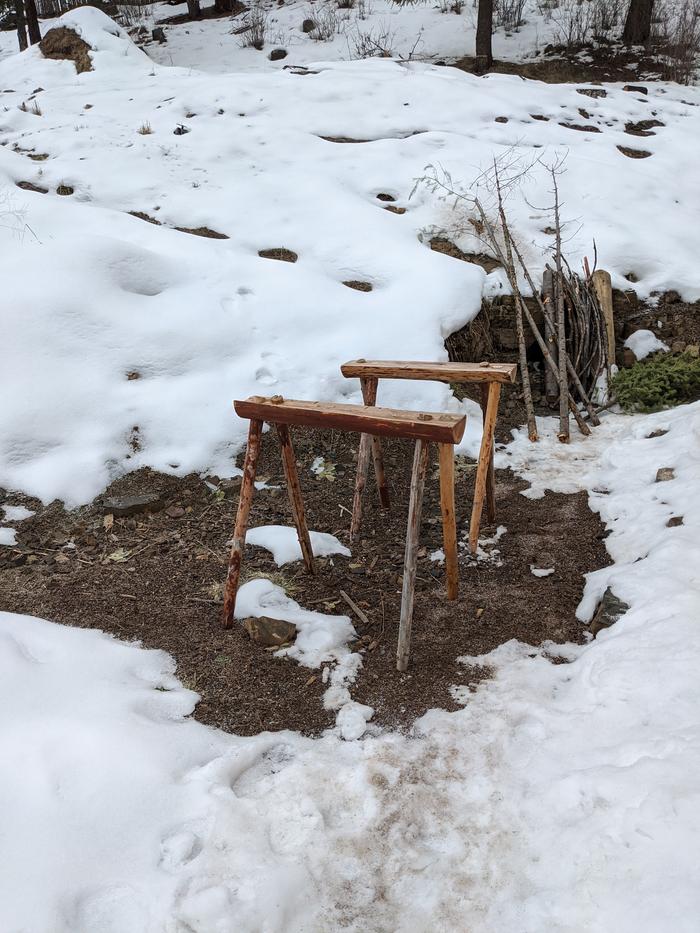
x,y
484,30
32,22
193,9
21,25
638,22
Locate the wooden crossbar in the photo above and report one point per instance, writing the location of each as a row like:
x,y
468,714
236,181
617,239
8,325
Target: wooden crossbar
x,y
440,427
434,372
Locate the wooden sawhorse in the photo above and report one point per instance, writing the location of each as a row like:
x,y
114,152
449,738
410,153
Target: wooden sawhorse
x,y
444,429
489,376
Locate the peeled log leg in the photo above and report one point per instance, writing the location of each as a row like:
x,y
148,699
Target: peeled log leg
x,y
490,476
244,502
415,506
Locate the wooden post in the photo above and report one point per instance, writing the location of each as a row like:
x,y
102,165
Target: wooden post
x,y
449,525
482,470
244,502
367,441
551,383
602,284
294,491
490,475
415,506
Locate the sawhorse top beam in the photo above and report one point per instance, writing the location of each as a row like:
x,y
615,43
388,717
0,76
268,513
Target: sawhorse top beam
x,y
434,372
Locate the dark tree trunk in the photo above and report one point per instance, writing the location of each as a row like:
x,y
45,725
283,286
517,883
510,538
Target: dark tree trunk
x,y
638,22
484,30
193,9
32,22
21,26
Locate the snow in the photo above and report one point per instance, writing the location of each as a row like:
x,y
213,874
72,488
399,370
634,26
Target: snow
x,y
644,342
8,536
283,543
541,571
201,321
16,513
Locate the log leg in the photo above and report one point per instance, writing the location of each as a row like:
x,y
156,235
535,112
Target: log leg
x,y
490,476
294,492
484,465
244,502
415,506
369,396
449,526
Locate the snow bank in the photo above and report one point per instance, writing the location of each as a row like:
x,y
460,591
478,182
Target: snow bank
x,y
130,324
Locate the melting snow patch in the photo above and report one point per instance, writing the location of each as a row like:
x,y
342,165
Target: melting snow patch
x,y
8,536
16,513
283,543
644,342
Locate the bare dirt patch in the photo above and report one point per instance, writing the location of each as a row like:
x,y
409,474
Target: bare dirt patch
x,y
65,44
157,575
634,153
358,285
442,245
279,253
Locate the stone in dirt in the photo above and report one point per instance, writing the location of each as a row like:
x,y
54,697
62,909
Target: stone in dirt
x,y
609,610
122,506
270,633
63,43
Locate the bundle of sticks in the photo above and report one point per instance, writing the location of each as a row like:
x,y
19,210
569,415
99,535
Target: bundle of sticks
x,y
575,341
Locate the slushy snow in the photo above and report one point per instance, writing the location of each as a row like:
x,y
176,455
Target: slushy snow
x,y
644,342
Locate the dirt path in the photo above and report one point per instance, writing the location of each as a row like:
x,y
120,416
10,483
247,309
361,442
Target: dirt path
x,y
167,591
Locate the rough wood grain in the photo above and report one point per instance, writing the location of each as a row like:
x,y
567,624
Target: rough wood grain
x,y
482,469
436,372
449,524
389,422
367,443
294,491
415,506
244,502
602,283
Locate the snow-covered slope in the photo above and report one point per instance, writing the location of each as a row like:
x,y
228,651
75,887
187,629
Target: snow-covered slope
x,y
562,798
92,294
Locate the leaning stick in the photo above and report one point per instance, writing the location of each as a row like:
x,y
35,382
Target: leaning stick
x,y
449,525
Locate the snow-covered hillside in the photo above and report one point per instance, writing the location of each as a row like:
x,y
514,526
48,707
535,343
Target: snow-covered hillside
x,y
168,326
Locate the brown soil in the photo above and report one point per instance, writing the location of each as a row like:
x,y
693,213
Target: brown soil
x,y
208,13
442,245
634,153
358,286
279,253
65,44
205,232
562,66
157,577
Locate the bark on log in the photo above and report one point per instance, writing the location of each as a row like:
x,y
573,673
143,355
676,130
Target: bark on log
x,y
295,499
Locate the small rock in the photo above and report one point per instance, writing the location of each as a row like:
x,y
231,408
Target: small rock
x,y
308,25
158,34
501,119
659,432
180,130
64,190
693,350
664,474
121,506
674,521
678,346
609,610
635,89
277,54
175,511
270,633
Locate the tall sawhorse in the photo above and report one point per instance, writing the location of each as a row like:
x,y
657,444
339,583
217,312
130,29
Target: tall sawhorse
x,y
489,376
423,427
